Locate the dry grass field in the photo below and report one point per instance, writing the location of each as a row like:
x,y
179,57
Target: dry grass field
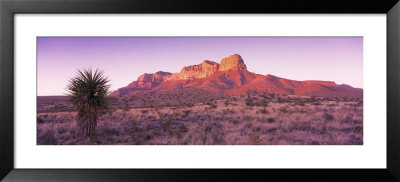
x,y
196,117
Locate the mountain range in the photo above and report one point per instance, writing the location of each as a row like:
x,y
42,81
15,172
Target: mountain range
x,y
231,77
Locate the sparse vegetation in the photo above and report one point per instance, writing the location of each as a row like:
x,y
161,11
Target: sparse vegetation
x,y
271,120
284,109
264,111
167,119
328,117
249,100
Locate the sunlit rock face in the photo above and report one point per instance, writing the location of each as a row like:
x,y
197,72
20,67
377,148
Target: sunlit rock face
x,y
148,80
232,77
203,70
233,62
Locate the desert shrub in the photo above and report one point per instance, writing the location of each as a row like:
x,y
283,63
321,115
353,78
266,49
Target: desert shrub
x,y
88,93
255,140
264,96
110,138
299,103
248,125
256,129
110,132
212,104
40,120
282,100
213,134
359,102
139,136
348,119
303,126
284,109
134,129
302,111
150,126
167,125
328,117
247,118
271,130
271,120
227,102
234,121
263,103
110,113
186,113
182,128
264,111
317,103
189,105
125,139
228,111
61,130
314,143
72,131
148,137
47,138
249,101
176,113
160,114
262,120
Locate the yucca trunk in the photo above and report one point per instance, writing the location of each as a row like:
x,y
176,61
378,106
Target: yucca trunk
x,y
86,121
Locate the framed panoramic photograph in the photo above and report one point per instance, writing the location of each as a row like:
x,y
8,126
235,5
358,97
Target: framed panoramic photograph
x,y
199,91
207,103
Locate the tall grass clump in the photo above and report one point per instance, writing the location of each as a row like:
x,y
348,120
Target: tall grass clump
x,y
88,92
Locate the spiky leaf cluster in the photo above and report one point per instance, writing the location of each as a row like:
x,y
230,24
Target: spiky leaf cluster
x,y
89,89
88,92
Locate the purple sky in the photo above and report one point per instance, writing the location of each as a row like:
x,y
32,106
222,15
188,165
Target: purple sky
x,y
123,59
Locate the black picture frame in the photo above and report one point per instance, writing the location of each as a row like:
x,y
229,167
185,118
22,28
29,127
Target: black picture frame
x,y
8,8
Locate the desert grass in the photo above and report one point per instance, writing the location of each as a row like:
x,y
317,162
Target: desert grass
x,y
256,119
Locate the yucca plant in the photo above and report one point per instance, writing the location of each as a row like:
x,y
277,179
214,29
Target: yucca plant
x,y
88,92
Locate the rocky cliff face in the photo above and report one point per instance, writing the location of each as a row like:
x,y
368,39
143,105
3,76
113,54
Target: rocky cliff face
x,y
149,80
233,62
203,70
232,77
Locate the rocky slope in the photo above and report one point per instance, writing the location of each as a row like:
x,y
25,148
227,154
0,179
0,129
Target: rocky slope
x,y
232,77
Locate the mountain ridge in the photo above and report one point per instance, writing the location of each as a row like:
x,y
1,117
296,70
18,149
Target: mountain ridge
x,y
231,77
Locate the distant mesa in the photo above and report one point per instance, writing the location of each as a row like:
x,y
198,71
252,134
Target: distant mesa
x,y
231,77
